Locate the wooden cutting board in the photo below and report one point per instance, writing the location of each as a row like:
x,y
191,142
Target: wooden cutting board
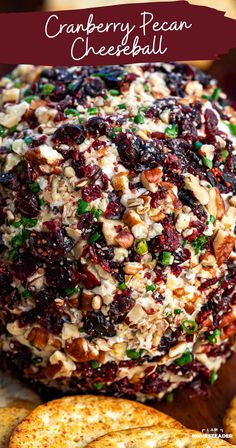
x,y
204,412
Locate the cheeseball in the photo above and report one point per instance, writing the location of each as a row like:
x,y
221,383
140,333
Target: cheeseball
x,y
117,227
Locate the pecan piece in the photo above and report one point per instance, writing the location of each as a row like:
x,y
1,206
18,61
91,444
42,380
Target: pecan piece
x,y
223,245
38,337
151,178
81,350
216,205
125,239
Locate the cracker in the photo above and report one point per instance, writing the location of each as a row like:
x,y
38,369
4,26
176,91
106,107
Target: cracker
x,y
159,438
10,418
230,420
73,422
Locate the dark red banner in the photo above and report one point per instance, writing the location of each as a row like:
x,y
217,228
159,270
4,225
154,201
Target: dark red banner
x,y
116,34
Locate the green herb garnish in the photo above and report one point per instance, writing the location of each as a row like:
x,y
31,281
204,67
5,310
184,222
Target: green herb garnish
x,y
139,119
140,247
165,258
82,207
47,89
172,131
186,358
134,354
198,244
151,287
189,326
207,162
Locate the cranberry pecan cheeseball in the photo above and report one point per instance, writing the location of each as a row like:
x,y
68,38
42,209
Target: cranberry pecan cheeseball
x,y
117,225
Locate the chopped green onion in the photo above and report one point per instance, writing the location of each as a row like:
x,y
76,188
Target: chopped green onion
x,y
27,294
28,99
122,106
70,291
198,244
94,237
35,187
213,377
232,128
207,162
143,109
82,206
96,212
186,358
17,84
212,219
122,285
37,360
169,397
47,89
213,336
146,88
114,92
177,311
185,242
172,131
12,130
94,364
98,386
189,326
224,154
17,224
165,258
92,110
139,119
28,140
70,111
151,287
29,222
70,86
221,281
197,145
134,354
117,129
216,93
140,247
206,97
2,131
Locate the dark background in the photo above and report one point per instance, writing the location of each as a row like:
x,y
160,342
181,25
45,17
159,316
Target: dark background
x,y
224,69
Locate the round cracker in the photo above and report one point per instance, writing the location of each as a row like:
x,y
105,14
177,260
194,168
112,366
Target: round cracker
x,y
10,418
159,438
75,421
230,420
14,394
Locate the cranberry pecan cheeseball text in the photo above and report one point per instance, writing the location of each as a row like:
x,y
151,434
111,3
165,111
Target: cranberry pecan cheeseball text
x,y
117,227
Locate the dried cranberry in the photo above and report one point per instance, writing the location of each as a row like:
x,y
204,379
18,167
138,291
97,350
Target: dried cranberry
x,y
97,126
86,223
97,325
89,279
159,106
93,87
112,75
50,247
5,278
211,121
27,175
107,372
26,204
121,305
115,209
153,384
91,192
87,171
69,134
9,180
101,254
60,274
187,130
137,154
24,266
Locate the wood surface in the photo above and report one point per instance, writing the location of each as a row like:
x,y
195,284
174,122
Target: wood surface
x,y
204,412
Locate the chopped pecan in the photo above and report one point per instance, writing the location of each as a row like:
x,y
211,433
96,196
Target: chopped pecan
x,y
125,239
151,178
38,337
81,350
216,206
223,245
86,300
